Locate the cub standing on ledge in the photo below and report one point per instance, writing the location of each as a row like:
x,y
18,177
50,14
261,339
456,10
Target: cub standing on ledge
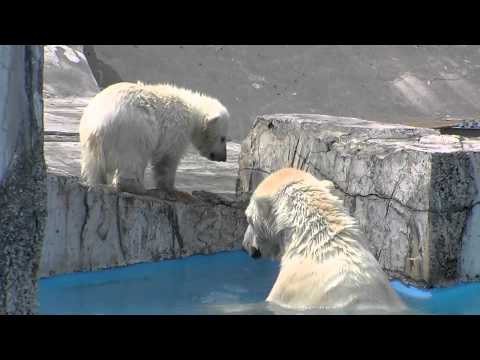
x,y
294,217
127,125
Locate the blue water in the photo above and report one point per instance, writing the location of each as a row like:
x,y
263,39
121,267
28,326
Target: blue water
x,y
461,299
229,282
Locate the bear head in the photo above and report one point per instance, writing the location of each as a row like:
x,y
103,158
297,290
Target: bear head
x,y
211,139
280,205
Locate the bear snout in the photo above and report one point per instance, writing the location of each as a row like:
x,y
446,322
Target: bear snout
x,y
255,253
216,157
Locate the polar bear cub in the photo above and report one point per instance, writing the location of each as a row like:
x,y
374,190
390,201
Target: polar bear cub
x,y
295,218
128,125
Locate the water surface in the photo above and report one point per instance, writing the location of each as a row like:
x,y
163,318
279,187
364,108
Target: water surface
x,y
224,283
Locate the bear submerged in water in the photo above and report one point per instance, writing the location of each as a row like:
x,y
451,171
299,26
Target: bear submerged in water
x,y
294,218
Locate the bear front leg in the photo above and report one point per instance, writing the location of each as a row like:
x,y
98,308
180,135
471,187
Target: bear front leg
x,y
164,171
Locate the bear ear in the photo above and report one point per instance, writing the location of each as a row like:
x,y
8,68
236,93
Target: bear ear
x,y
327,185
212,122
214,119
263,206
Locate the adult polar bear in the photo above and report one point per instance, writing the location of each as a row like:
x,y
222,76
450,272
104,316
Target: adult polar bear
x,y
127,125
295,218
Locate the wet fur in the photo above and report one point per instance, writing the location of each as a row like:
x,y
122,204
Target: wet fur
x,y
128,125
295,218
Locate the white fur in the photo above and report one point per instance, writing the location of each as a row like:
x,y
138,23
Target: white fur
x,y
127,125
295,218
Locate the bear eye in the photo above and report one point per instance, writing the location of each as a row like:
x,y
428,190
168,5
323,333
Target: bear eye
x,y
222,139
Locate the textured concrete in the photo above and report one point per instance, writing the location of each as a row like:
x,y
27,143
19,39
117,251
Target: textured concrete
x,y
397,84
67,72
413,191
96,228
22,177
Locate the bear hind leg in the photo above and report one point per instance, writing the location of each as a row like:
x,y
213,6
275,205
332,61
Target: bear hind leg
x,y
130,180
130,185
92,171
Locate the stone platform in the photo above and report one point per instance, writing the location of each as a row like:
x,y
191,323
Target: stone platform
x,y
97,228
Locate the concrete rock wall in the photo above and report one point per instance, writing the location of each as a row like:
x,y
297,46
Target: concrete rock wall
x,y
96,228
22,176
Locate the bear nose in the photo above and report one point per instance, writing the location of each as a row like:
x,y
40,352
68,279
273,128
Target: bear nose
x,y
255,253
221,158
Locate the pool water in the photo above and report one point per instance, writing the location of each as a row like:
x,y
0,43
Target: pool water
x,y
461,299
224,283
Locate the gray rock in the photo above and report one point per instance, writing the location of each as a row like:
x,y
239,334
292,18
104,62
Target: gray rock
x,y
412,190
67,72
468,124
96,228
22,177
